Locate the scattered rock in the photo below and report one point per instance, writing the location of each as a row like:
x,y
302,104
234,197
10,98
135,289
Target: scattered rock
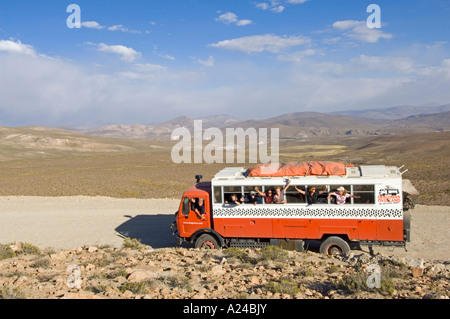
x,y
308,293
217,270
417,272
128,294
254,280
92,249
142,275
192,273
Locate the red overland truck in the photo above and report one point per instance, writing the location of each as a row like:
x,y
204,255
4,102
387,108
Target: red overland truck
x,y
340,206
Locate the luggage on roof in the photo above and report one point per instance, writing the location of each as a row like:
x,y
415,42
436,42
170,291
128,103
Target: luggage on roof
x,y
298,169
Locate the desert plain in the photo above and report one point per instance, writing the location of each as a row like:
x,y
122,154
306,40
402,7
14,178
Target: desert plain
x,y
72,193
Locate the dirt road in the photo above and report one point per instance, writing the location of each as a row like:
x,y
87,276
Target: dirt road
x,y
70,222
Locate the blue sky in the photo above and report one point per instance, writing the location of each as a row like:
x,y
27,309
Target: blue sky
x,y
146,61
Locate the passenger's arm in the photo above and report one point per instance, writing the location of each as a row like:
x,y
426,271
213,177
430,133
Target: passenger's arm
x,y
287,186
259,192
325,189
300,191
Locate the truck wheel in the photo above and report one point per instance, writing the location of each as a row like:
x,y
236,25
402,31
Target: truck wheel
x,y
334,246
206,241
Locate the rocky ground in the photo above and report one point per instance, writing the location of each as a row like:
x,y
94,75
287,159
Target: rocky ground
x,y
136,271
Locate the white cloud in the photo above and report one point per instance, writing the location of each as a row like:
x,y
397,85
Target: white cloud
x,y
230,17
296,56
262,6
52,91
296,1
208,63
347,24
332,40
364,66
385,64
359,30
276,6
127,54
227,18
148,67
92,25
164,55
16,47
117,27
121,28
446,64
242,23
436,44
260,43
277,9
38,90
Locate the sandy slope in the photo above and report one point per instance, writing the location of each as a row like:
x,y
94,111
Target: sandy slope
x,y
69,222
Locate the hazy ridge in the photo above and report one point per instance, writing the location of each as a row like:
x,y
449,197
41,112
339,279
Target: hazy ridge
x,y
397,120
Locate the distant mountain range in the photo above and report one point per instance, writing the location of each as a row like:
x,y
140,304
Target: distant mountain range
x,y
303,125
395,113
159,129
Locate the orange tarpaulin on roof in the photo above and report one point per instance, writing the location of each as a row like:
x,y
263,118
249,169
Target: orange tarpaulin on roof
x,y
298,169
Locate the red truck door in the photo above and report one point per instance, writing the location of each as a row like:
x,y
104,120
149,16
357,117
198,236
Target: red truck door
x,y
188,221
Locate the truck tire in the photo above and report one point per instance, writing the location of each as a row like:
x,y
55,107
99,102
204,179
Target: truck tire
x,y
206,241
334,246
408,202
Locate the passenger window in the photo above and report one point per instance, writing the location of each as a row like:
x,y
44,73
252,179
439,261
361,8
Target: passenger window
x,y
321,192
229,191
366,192
269,191
249,199
295,197
218,199
334,189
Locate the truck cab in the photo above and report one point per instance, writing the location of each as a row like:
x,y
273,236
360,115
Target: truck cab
x,y
189,225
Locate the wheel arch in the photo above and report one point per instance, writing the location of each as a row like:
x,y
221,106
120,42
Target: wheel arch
x,y
343,236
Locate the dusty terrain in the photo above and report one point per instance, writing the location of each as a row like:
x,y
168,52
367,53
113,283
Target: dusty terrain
x,y
77,198
70,222
137,272
42,237
144,168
